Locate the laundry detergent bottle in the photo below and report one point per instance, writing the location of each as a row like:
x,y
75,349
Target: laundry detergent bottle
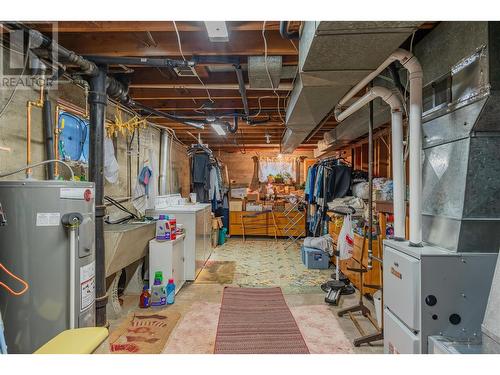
x,y
163,228
170,289
158,296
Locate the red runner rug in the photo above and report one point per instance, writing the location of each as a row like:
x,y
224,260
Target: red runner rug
x,y
257,321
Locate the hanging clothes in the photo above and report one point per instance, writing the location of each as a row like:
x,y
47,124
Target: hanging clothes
x,y
326,181
339,182
214,190
200,176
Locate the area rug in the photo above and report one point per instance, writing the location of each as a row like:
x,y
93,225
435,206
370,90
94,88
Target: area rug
x,y
321,330
195,333
257,321
263,264
217,272
143,333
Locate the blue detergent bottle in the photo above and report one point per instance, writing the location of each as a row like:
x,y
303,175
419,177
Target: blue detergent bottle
x,y
170,288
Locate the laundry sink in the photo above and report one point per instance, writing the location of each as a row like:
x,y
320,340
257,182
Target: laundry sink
x,y
126,243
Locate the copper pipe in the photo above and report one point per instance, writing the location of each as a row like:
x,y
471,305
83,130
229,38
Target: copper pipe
x,y
56,141
28,138
29,105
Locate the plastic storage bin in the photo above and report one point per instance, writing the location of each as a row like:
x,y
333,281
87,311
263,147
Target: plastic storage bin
x,y
315,258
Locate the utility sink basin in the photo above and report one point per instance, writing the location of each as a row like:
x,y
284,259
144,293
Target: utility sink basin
x,y
126,243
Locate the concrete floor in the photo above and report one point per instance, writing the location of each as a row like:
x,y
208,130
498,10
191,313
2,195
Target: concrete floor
x,y
309,293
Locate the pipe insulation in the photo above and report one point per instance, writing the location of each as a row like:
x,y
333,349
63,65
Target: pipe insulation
x,y
394,102
285,34
412,65
242,88
48,130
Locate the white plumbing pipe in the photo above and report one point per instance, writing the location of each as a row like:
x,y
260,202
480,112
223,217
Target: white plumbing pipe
x,y
72,276
411,63
415,155
397,148
164,153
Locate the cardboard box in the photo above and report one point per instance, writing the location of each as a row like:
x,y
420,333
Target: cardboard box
x,y
238,193
236,205
253,207
253,197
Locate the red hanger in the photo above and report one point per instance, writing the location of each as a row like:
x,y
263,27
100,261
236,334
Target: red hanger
x,y
14,293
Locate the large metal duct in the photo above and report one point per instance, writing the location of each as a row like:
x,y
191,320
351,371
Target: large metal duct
x,y
333,57
461,136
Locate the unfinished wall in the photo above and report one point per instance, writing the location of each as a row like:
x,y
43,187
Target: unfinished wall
x,y
13,142
240,166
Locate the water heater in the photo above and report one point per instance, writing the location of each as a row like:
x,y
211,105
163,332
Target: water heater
x,y
46,238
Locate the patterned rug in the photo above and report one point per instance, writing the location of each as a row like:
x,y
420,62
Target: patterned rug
x,y
257,321
195,333
143,333
321,330
267,263
217,272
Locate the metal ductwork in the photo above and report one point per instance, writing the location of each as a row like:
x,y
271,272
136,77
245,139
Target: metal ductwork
x,y
461,136
258,76
333,57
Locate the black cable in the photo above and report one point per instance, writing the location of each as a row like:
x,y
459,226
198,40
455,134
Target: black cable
x,y
121,207
119,221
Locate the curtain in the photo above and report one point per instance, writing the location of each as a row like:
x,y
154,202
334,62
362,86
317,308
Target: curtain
x,y
274,166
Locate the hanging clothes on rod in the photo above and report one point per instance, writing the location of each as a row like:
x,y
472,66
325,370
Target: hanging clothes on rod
x,y
206,176
326,180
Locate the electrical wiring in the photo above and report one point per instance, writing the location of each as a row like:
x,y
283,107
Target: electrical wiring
x,y
10,173
267,71
184,58
11,291
260,105
117,204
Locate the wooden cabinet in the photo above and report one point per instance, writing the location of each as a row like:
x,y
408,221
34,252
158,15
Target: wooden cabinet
x,y
371,277
267,224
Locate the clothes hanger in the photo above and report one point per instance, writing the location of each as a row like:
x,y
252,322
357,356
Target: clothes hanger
x,y
14,293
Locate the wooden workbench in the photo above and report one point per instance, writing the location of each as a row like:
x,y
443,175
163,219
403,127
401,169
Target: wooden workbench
x,y
262,224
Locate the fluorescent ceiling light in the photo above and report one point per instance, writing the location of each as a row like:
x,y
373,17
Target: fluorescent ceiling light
x,y
218,128
217,31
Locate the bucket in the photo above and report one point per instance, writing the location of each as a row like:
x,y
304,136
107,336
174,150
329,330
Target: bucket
x,y
222,236
377,300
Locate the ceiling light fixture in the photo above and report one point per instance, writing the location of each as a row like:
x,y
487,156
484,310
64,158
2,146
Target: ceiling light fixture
x,y
217,31
218,128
